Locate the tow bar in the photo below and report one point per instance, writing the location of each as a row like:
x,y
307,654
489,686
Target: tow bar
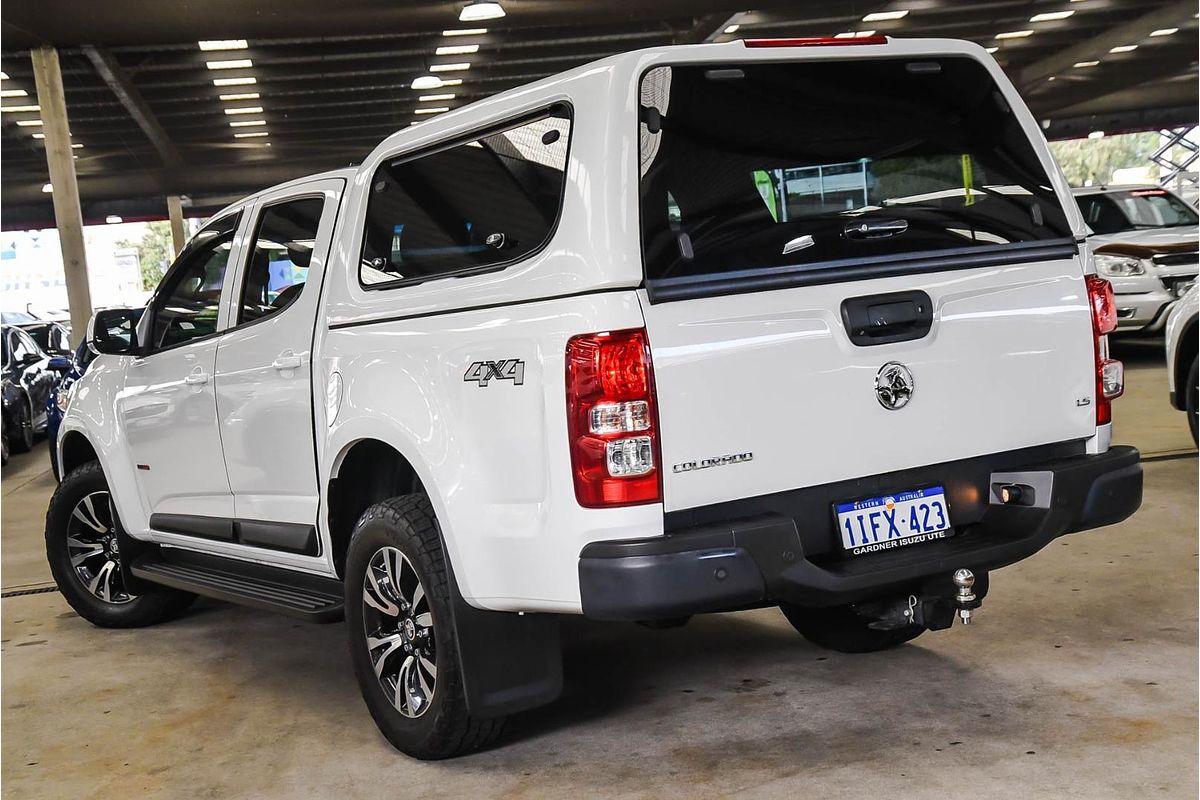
x,y
935,607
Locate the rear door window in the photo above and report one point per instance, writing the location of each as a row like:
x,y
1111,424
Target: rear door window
x,y
802,164
475,205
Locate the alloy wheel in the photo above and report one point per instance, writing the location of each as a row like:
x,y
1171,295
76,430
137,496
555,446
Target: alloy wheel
x,y
94,551
398,622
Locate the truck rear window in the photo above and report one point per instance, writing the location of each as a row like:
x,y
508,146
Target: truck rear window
x,y
799,164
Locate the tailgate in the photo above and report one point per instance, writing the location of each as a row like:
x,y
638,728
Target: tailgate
x,y
772,381
852,267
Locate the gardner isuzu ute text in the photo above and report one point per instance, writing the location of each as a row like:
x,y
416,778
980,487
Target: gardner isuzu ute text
x,y
796,323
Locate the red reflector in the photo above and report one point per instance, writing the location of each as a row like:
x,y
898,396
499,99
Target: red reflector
x,y
612,422
1104,306
814,41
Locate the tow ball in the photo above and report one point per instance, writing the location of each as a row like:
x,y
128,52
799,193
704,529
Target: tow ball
x,y
964,579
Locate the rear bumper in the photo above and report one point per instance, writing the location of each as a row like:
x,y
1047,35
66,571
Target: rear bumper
x,y
763,559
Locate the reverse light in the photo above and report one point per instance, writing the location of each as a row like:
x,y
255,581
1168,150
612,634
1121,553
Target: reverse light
x,y
1110,373
612,421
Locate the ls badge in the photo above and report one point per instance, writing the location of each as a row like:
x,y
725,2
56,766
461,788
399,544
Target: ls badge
x,y
510,369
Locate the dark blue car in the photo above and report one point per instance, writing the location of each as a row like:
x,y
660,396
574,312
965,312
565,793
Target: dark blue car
x,y
73,367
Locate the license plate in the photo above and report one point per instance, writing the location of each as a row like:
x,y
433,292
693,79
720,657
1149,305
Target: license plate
x,y
895,520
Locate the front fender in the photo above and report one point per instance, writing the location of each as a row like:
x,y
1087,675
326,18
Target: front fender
x,y
93,413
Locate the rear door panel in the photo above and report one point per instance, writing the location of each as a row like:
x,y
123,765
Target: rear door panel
x,y
1006,364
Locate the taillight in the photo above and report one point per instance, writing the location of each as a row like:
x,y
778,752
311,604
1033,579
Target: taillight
x,y
612,421
1110,373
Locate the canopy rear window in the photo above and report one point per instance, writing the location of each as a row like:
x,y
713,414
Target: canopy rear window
x,y
761,166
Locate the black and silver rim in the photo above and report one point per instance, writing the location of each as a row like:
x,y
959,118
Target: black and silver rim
x,y
398,622
94,551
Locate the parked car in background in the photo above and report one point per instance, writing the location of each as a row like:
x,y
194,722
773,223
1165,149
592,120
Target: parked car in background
x,y
27,382
1183,378
16,318
1145,242
53,337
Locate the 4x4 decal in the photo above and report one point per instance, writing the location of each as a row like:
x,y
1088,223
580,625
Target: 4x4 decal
x,y
510,369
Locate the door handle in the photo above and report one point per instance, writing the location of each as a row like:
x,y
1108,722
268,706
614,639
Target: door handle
x,y
286,361
196,379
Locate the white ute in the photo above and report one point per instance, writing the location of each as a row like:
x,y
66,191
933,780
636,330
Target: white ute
x,y
797,323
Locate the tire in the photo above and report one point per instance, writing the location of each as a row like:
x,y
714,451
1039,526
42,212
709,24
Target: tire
x,y
404,609
85,560
842,630
21,436
1192,399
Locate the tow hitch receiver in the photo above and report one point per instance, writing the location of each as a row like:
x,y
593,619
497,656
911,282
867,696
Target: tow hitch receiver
x,y
935,608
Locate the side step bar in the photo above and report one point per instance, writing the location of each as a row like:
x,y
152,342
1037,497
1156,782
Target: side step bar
x,y
297,594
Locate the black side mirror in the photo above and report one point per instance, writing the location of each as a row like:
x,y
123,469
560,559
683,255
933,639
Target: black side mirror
x,y
114,331
60,363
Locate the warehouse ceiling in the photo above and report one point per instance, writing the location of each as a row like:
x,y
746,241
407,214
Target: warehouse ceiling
x,y
329,81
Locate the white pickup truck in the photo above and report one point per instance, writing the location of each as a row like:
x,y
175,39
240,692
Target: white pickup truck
x,y
795,323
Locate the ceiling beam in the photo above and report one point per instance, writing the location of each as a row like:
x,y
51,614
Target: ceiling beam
x,y
1167,16
122,86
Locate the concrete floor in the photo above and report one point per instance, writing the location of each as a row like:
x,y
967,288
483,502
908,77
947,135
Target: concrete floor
x,y
1079,679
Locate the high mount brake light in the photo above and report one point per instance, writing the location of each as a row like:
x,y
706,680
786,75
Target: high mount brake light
x,y
612,420
815,41
1110,373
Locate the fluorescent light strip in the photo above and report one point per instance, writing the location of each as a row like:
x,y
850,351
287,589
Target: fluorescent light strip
x,y
732,28
245,110
449,67
20,109
1125,48
234,81
884,16
430,98
29,123
1080,64
465,32
3,76
249,123
229,98
223,44
991,49
13,93
1014,35
457,50
233,63
249,134
437,110
452,82
1164,31
1051,16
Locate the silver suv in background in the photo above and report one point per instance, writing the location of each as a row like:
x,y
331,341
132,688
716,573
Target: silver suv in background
x,y
1145,242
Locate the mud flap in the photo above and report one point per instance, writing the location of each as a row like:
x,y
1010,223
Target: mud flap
x,y
510,662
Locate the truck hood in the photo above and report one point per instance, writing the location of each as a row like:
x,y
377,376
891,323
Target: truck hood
x,y
1147,242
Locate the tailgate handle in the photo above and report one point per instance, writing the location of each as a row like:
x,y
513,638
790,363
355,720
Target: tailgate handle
x,y
886,318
